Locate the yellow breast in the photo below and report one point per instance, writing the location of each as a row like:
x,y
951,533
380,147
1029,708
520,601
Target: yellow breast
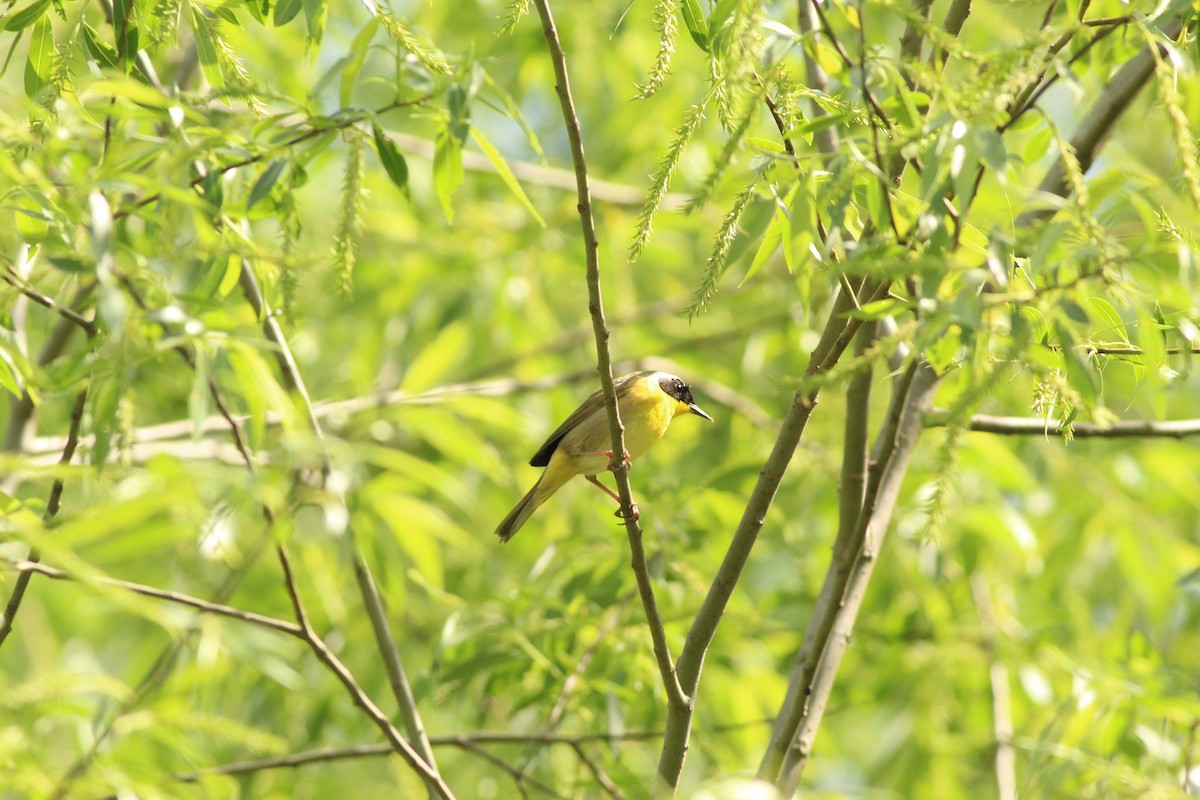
x,y
646,412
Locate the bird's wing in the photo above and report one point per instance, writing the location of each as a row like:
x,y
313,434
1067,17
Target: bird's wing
x,y
593,403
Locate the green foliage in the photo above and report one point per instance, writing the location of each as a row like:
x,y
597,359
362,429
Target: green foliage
x,y
158,158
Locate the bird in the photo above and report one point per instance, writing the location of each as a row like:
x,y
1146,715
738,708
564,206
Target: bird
x,y
647,402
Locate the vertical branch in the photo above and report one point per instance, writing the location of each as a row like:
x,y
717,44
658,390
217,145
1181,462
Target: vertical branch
x,y
52,505
1002,723
853,488
838,333
910,402
371,597
678,701
826,137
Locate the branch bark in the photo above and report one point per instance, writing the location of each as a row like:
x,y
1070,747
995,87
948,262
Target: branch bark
x,y
676,698
372,600
1033,426
894,452
856,441
838,333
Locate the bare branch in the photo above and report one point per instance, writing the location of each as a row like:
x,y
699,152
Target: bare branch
x,y
839,331
1034,426
52,505
205,606
856,441
676,698
372,600
1002,723
894,451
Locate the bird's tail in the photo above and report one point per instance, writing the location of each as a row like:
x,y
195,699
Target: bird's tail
x,y
547,485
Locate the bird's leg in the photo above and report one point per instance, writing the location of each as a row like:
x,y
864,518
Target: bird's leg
x,y
633,509
626,461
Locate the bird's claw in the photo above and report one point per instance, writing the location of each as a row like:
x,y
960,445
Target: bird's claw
x,y
625,462
630,513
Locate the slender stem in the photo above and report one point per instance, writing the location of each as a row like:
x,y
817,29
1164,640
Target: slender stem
x,y
839,330
52,506
312,133
1033,426
853,489
369,591
895,449
326,656
206,606
1002,722
676,698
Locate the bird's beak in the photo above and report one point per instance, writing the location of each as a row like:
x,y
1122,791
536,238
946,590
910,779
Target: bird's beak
x,y
698,412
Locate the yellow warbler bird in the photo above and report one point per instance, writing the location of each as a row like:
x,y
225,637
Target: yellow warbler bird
x,y
648,401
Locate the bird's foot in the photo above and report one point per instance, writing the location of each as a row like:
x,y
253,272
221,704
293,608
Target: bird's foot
x,y
630,513
625,463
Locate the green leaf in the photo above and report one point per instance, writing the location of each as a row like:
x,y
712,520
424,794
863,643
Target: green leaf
x,y
392,159
316,13
1104,310
206,49
286,11
233,271
880,308
505,173
1074,311
262,186
359,49
27,15
992,150
100,51
697,27
10,375
1079,374
435,361
132,90
40,59
447,170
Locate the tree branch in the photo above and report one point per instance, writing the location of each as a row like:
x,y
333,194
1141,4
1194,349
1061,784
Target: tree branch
x,y
839,331
676,698
206,606
372,600
1034,426
1112,104
856,441
52,505
895,448
1002,723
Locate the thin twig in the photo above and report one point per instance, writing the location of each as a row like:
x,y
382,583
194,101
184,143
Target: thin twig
x,y
676,698
312,133
1035,426
324,754
894,450
208,607
52,506
372,600
86,325
1002,722
839,330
